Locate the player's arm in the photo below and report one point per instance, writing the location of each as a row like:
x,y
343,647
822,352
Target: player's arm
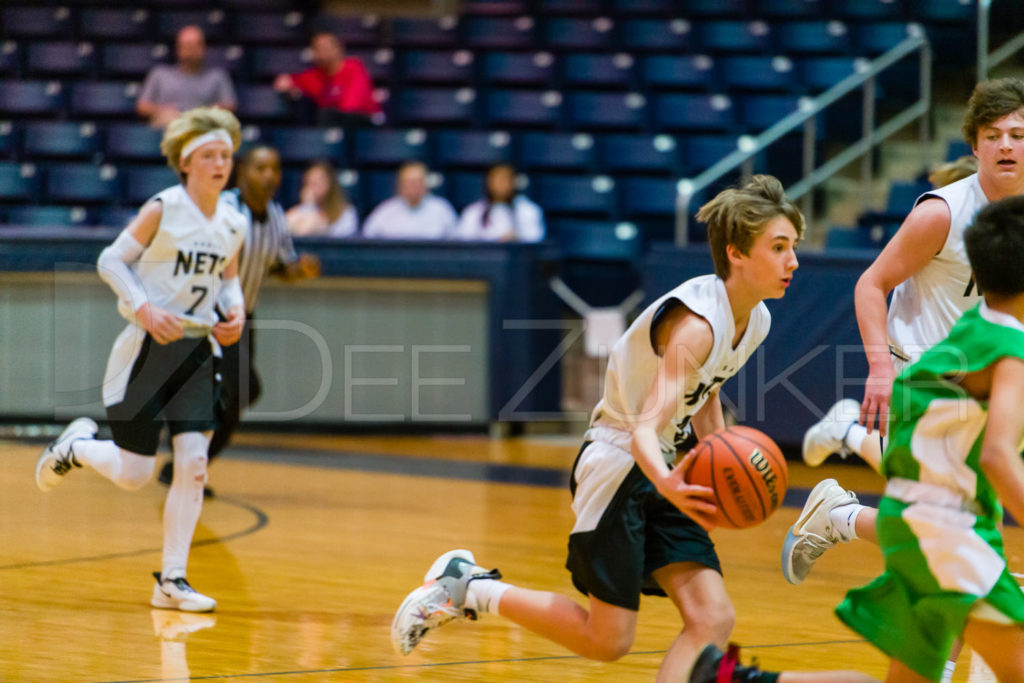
x,y
113,267
231,301
917,241
710,417
306,266
1000,459
688,346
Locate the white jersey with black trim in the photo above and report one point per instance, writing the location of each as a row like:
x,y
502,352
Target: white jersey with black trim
x,y
925,305
181,268
633,363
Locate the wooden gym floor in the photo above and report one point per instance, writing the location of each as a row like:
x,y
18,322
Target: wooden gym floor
x,y
312,542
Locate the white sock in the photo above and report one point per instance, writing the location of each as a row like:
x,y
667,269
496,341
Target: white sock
x,y
486,593
947,671
844,521
126,469
184,501
855,436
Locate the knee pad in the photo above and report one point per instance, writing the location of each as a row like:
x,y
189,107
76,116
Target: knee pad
x,y
190,458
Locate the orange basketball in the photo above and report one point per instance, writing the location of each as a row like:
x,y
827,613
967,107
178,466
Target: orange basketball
x,y
747,471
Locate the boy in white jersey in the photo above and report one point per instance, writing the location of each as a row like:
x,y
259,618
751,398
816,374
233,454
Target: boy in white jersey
x,y
640,527
170,267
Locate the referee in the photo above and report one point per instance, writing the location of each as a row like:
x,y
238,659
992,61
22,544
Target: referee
x,y
268,250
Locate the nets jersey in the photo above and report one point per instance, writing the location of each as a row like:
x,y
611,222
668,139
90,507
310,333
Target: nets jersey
x,y
181,268
926,305
633,362
935,429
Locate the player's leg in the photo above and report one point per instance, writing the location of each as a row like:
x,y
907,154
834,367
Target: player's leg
x,y
1000,645
831,515
717,666
840,432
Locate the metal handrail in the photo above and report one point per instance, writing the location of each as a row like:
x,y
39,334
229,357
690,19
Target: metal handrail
x,y
986,59
748,146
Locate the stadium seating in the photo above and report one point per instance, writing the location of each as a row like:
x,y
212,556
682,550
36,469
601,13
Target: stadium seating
x,y
640,153
105,99
499,32
389,147
260,28
114,24
592,195
131,60
471,148
522,108
302,145
61,216
38,98
598,70
19,182
142,182
60,139
557,151
62,59
575,33
593,110
435,33
52,22
133,142
678,72
83,184
517,68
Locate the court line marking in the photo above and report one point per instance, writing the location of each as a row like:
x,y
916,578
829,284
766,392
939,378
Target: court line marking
x,y
434,665
262,519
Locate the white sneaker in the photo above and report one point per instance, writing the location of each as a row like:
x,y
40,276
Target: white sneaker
x,y
177,594
443,598
59,457
828,435
813,533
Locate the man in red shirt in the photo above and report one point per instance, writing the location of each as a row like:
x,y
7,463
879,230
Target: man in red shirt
x,y
335,82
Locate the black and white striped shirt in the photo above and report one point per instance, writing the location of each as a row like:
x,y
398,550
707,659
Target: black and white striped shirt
x,y
268,247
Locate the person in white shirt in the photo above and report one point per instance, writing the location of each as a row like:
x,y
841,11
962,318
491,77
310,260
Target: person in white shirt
x,y
414,213
503,215
324,208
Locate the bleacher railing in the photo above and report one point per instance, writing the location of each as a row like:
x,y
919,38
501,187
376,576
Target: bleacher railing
x,y
864,76
987,60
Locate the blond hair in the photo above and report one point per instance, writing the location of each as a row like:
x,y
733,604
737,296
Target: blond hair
x,y
192,124
952,171
738,216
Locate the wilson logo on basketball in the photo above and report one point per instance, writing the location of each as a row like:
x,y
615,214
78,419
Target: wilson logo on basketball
x,y
764,468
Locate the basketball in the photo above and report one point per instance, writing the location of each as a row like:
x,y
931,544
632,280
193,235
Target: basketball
x,y
747,471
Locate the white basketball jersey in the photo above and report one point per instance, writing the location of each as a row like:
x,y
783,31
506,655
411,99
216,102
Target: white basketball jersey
x,y
633,362
925,305
181,268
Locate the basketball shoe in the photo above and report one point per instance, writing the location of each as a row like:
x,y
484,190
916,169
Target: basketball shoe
x,y
715,666
59,457
828,435
176,593
813,532
443,598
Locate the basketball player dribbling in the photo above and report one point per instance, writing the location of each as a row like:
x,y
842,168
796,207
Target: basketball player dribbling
x,y
170,267
640,527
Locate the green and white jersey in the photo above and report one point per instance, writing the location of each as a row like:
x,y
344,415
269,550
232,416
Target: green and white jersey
x,y
935,427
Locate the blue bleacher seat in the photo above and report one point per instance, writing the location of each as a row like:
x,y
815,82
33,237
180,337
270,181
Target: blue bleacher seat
x,y
638,152
304,145
60,216
142,182
694,112
712,8
758,112
954,11
103,99
462,189
499,32
258,5
755,72
362,31
376,187
956,149
522,107
36,22
437,33
60,58
496,7
133,142
902,195
518,68
702,151
595,240
585,70
731,37
169,22
83,183
260,28
471,148
633,7
60,139
231,58
606,110
436,105
577,194
855,238
423,66
19,182
678,72
575,33
378,62
9,139
788,9
115,216
869,10
875,38
10,58
265,63
121,24
262,103
821,73
39,98
389,146
648,196
566,6
670,35
131,60
812,37
563,151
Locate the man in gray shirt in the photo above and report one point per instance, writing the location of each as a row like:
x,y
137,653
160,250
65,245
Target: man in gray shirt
x,y
172,89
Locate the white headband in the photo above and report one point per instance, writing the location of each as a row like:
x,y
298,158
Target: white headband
x,y
212,136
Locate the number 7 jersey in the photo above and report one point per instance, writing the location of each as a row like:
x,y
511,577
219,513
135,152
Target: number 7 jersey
x,y
181,268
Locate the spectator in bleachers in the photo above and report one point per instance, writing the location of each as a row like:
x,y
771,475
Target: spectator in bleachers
x,y
340,86
172,89
503,215
952,171
414,213
323,207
